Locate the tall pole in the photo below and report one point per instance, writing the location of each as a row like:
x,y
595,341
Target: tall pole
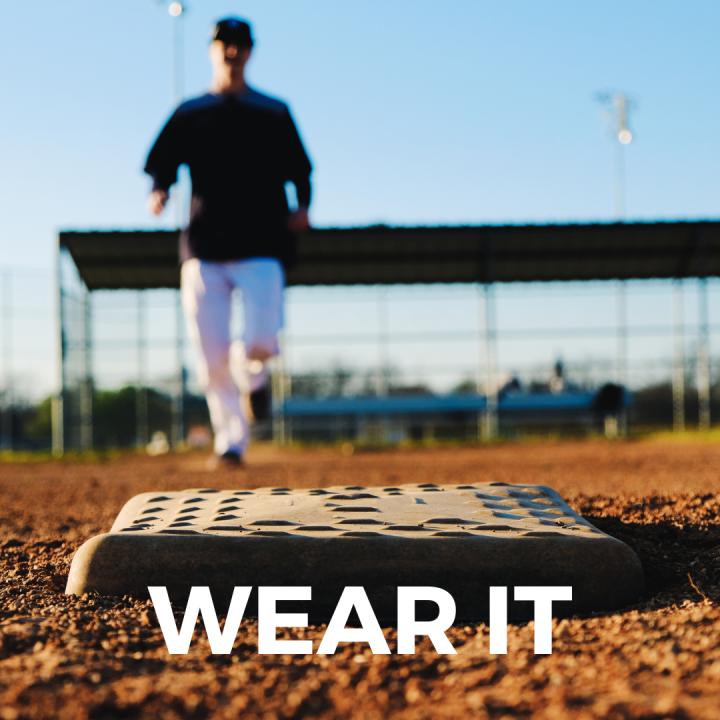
x,y
381,378
141,394
619,181
617,108
86,388
678,377
490,429
58,403
622,349
703,359
481,369
177,432
279,389
177,11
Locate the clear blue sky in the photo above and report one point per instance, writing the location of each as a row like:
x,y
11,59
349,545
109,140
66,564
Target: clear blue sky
x,y
413,111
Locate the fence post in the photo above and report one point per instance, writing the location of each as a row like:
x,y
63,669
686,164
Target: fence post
x,y
57,417
280,386
86,387
622,350
141,399
490,424
177,431
678,376
703,358
7,329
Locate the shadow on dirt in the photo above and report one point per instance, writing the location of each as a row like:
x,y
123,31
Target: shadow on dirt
x,y
680,563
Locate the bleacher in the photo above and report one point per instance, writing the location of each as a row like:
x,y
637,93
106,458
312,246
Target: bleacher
x,y
416,416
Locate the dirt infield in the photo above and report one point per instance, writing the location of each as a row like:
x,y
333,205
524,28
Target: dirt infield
x,y
105,657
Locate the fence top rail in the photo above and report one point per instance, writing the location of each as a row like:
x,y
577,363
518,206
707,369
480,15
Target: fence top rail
x,y
396,255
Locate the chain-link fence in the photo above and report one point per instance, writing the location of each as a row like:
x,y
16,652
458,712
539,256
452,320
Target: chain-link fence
x,y
129,375
28,340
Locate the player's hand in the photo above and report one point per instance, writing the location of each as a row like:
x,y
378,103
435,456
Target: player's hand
x,y
299,221
157,201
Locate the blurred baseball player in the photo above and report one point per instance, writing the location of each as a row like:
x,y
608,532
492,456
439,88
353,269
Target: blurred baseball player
x,y
241,147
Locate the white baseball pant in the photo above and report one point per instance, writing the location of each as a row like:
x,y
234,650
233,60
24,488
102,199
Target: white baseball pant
x,y
227,370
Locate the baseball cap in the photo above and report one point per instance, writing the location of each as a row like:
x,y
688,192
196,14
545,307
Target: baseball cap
x,y
233,31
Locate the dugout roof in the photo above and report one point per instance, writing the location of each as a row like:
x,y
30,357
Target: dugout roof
x,y
136,259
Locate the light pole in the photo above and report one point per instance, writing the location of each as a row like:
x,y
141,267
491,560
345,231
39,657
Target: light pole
x,y
617,107
177,11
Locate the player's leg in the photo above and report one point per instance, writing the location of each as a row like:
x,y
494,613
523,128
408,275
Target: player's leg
x,y
206,294
262,282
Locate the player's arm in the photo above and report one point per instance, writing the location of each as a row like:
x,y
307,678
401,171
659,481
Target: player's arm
x,y
162,163
299,169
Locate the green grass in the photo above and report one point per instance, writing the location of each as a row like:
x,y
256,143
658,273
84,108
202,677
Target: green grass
x,y
711,436
379,445
74,456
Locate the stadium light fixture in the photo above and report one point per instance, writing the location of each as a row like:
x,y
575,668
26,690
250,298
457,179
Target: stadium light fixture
x,y
625,136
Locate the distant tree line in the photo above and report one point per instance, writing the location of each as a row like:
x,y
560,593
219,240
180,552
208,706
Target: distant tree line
x,y
27,426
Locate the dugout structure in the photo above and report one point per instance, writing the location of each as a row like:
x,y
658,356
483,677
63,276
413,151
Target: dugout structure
x,y
92,261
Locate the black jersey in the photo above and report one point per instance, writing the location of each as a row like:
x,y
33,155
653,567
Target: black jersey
x,y
241,150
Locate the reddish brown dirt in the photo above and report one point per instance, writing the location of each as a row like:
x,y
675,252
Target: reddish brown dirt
x,y
105,657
